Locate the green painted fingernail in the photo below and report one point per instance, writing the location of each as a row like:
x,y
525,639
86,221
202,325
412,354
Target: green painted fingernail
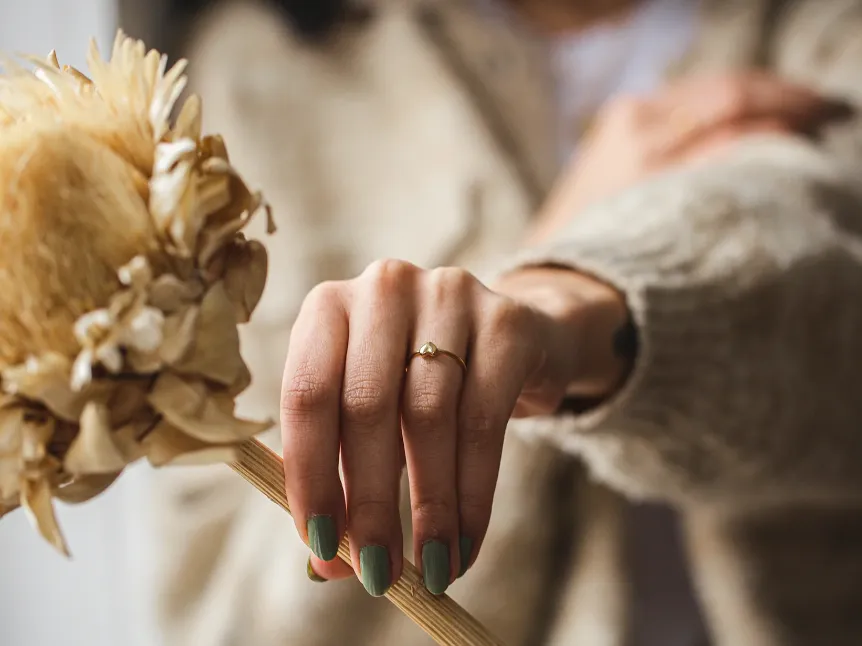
x,y
374,567
323,537
465,549
312,575
435,566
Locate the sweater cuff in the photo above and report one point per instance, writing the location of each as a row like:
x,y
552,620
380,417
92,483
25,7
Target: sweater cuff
x,y
679,332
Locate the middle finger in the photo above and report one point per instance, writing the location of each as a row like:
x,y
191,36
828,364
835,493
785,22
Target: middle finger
x,y
370,438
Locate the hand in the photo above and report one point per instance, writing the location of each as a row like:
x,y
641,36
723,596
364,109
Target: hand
x,y
346,393
689,121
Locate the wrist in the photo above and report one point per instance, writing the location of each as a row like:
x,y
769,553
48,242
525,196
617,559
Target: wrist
x,y
592,339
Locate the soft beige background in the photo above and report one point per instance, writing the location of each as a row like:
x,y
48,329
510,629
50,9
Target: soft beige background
x,y
100,598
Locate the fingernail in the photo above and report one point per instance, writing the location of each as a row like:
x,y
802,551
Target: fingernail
x,y
323,537
374,568
312,575
435,566
465,549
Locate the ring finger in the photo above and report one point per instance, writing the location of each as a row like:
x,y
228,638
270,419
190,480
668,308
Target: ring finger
x,y
435,375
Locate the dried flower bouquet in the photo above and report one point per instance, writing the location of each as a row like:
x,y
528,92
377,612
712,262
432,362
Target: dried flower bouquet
x,y
124,273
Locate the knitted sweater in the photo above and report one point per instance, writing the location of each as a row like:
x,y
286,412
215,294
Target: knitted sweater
x,y
748,300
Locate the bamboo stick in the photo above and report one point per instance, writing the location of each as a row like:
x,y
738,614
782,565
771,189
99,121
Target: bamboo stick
x,y
439,616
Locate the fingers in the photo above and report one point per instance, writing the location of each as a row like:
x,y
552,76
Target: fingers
x,y
310,420
346,392
692,110
370,425
430,423
724,138
502,359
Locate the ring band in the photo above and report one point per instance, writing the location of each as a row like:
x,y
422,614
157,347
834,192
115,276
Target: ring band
x,y
431,351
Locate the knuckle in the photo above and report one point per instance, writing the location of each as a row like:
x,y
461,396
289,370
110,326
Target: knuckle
x,y
506,318
310,481
364,402
447,282
324,294
480,432
373,511
389,274
432,510
475,508
305,391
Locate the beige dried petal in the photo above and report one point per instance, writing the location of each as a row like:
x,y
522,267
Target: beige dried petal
x,y
168,446
128,402
164,443
188,125
214,238
242,382
179,333
215,350
46,380
94,450
188,407
36,500
10,475
212,193
170,294
35,435
144,362
122,302
11,420
245,277
85,488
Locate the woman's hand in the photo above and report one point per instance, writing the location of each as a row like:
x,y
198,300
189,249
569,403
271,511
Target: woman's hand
x,y
347,394
687,121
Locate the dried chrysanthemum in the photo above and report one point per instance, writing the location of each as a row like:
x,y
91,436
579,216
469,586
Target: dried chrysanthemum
x,y
125,273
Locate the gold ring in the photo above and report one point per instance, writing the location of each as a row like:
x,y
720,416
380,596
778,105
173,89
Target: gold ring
x,y
431,351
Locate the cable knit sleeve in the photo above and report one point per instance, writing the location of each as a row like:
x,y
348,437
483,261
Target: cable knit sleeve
x,y
744,278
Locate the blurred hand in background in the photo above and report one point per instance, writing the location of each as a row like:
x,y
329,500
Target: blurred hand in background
x,y
688,121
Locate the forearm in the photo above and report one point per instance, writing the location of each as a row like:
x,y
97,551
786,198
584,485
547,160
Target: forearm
x,y
742,384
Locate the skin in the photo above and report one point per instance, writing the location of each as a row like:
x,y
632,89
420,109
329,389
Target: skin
x,y
534,336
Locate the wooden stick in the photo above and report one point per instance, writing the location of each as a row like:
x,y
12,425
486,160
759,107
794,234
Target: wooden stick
x,y
439,616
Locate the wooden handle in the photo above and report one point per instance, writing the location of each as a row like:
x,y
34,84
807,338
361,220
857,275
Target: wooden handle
x,y
439,616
